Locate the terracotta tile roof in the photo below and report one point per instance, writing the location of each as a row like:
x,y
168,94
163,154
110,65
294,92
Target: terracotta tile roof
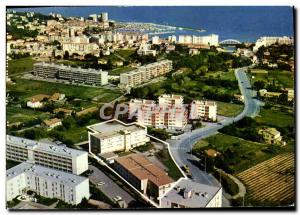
x,y
142,168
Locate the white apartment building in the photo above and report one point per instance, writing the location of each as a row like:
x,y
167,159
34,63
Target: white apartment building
x,y
172,38
189,194
145,49
49,155
203,109
114,135
81,48
77,75
46,182
267,41
156,40
145,73
211,40
169,113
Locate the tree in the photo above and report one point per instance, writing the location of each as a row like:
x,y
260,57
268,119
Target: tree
x,y
258,85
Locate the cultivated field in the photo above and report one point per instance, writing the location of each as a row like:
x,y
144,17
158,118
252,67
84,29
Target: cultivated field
x,y
272,181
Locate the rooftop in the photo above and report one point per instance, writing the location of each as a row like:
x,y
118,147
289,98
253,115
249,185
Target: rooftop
x,y
142,168
42,146
63,67
52,121
47,173
191,194
38,97
112,128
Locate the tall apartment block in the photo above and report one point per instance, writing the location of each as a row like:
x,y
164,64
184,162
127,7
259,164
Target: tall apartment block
x,y
46,182
202,109
77,75
145,73
46,154
114,135
169,113
211,40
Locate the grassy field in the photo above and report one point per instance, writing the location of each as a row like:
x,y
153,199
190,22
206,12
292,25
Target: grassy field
x,y
17,66
271,182
275,117
120,70
27,88
164,157
18,114
282,78
222,75
244,155
125,53
228,109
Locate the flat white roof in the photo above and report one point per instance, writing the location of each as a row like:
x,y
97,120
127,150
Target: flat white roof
x,y
44,172
43,146
200,197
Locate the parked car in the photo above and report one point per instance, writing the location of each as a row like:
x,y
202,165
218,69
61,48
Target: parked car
x,y
101,183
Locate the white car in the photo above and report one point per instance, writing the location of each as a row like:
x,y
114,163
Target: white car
x,y
117,198
101,183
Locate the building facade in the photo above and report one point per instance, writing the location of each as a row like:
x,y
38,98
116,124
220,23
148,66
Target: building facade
x,y
267,41
189,194
46,182
169,113
202,109
211,40
114,135
45,154
76,75
145,73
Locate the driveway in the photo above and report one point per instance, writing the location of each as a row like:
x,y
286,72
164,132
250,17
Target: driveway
x,y
110,188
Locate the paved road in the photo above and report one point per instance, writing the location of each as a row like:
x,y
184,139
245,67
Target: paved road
x,y
181,148
110,188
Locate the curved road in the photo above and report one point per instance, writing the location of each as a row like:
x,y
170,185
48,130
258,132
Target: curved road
x,y
181,148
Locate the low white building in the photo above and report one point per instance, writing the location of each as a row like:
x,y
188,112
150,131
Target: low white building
x,y
189,194
114,135
145,49
46,182
202,109
50,155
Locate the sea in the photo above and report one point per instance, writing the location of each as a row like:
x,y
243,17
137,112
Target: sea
x,y
243,23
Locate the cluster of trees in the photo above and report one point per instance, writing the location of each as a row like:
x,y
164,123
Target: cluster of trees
x,y
246,128
159,133
14,55
20,33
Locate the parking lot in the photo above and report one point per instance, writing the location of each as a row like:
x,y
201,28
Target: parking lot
x,y
109,187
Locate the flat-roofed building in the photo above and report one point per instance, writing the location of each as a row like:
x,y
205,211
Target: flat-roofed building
x,y
143,174
210,40
46,182
76,75
114,135
203,109
49,155
145,73
189,194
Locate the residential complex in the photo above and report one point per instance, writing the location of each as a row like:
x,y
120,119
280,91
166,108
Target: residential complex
x,y
169,113
77,75
46,182
203,109
267,41
46,154
189,194
143,175
145,73
210,40
114,135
